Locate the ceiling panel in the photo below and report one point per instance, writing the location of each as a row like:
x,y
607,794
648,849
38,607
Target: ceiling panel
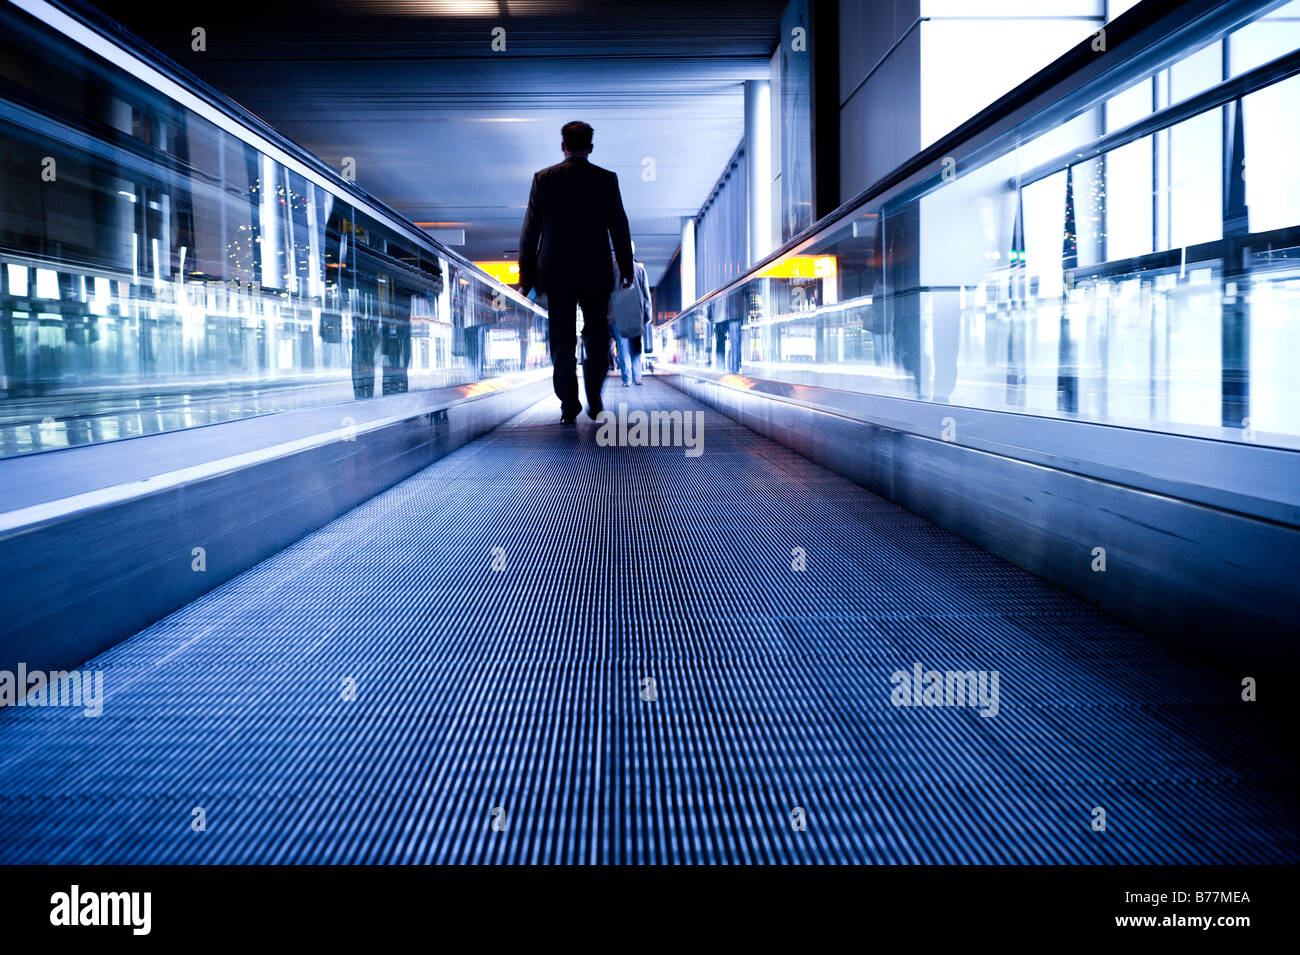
x,y
447,130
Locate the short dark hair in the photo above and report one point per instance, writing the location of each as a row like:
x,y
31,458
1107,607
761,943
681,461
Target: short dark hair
x,y
577,136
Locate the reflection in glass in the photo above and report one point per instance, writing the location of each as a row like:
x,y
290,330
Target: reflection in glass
x,y
157,272
1077,267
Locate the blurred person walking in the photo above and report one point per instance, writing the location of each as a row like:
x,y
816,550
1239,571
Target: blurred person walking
x,y
629,315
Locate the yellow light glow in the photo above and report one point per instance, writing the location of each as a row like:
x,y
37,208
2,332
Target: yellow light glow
x,y
737,381
501,270
801,267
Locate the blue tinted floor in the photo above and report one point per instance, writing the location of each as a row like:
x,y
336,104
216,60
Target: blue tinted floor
x,y
513,696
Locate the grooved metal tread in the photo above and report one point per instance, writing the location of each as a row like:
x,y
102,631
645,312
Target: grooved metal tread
x,y
520,688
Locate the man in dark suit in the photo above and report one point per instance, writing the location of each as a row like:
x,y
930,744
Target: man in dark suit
x,y
574,211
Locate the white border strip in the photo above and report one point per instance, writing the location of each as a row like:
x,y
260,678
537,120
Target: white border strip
x,y
24,518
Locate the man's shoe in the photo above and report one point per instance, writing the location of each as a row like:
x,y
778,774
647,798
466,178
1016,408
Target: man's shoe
x,y
570,414
638,382
594,413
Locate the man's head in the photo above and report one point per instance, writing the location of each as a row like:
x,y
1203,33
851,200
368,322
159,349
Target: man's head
x,y
576,138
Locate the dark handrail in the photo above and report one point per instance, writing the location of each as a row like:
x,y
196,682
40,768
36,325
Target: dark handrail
x,y
111,30
1267,74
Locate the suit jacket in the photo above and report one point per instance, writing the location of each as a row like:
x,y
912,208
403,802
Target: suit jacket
x,y
574,210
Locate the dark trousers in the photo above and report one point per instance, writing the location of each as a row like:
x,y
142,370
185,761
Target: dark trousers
x,y
563,309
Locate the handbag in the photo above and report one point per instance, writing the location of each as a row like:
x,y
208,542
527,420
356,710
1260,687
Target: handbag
x,y
625,307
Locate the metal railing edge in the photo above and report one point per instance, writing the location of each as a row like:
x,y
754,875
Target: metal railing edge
x,y
138,48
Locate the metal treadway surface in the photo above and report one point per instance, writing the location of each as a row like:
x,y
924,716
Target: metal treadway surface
x,y
519,689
